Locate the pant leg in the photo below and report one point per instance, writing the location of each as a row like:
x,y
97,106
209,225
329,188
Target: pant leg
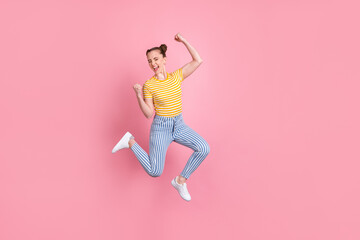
x,y
160,139
189,138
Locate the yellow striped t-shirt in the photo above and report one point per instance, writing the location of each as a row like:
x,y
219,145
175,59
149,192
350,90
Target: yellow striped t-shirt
x,y
166,94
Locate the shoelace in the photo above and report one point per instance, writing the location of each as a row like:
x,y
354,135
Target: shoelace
x,y
184,189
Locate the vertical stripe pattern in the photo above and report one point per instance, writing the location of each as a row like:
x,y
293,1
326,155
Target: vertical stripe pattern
x,y
165,130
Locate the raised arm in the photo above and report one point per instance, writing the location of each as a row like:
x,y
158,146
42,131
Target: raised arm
x,y
190,67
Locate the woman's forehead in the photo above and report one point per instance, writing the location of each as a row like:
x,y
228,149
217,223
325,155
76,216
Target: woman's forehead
x,y
154,53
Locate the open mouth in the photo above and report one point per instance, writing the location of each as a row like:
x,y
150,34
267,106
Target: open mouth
x,y
156,68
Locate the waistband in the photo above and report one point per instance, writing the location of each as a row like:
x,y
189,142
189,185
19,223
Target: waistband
x,y
169,118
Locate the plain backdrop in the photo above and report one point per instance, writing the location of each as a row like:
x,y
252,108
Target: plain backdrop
x,y
277,98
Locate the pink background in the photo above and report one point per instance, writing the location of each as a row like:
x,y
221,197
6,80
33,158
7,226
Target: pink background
x,y
277,98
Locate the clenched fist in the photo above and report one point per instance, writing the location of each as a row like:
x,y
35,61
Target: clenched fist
x,y
178,37
138,89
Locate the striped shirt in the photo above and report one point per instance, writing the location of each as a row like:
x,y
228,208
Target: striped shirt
x,y
166,94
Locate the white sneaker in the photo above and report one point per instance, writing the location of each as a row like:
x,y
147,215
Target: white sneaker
x,y
123,143
182,189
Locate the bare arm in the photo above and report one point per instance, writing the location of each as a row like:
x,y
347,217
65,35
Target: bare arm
x,y
190,67
146,106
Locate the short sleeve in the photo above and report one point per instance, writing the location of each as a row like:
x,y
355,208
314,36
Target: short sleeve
x,y
146,91
179,74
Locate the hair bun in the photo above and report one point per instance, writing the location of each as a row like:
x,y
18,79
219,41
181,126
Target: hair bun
x,y
163,48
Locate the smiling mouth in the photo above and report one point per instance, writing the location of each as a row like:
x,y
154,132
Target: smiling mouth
x,y
155,69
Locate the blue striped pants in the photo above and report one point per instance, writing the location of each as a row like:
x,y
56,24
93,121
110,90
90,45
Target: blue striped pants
x,y
165,130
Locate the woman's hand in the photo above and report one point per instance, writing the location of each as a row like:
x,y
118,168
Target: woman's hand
x,y
179,38
138,90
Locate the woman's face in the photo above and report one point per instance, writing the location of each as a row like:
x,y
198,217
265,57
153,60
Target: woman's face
x,y
156,61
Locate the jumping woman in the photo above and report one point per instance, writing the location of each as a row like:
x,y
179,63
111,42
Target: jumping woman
x,y
162,94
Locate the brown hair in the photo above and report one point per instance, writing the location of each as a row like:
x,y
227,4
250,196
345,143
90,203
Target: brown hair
x,y
162,49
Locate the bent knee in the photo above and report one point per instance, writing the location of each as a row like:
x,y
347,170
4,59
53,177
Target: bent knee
x,y
205,149
155,174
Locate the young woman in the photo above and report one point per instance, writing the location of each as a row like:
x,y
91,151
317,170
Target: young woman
x,y
162,94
